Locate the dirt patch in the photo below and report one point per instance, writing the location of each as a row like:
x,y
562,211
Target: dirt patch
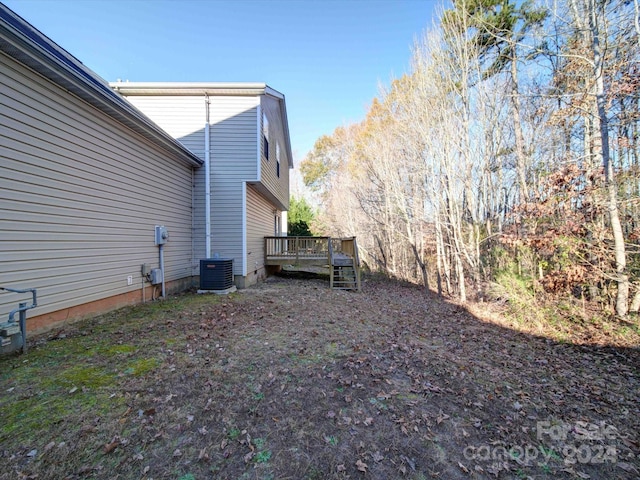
x,y
290,380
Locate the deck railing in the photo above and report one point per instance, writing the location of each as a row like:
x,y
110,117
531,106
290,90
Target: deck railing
x,y
339,254
349,247
293,249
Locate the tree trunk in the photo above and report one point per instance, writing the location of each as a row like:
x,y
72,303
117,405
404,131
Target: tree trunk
x,y
521,163
439,252
622,279
635,303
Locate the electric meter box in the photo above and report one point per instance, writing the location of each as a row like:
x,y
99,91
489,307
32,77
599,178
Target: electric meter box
x,y
161,235
155,276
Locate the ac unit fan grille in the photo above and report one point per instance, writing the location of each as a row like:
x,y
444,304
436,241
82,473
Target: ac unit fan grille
x,y
216,274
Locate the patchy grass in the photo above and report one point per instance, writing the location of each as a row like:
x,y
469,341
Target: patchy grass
x,y
292,380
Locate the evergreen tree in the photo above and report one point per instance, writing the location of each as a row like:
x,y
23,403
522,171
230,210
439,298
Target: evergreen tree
x,y
300,217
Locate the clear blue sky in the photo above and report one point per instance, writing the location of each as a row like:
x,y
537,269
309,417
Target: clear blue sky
x,y
327,57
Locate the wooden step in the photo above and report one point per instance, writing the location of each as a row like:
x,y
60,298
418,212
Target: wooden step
x,y
344,277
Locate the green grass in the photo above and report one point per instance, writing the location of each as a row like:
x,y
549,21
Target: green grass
x,y
141,366
83,370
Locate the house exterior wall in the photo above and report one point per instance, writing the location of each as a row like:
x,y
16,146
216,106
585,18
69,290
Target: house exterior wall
x,y
260,224
80,195
276,180
234,151
183,118
233,157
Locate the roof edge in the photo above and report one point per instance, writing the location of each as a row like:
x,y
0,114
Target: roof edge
x,y
190,88
27,45
207,88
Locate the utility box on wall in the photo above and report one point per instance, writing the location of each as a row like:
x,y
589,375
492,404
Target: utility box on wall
x,y
216,274
156,276
162,235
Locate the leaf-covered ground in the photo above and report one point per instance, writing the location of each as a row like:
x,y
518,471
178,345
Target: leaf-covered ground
x,y
290,380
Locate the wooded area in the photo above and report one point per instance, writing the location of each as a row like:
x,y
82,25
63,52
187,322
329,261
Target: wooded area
x,y
507,155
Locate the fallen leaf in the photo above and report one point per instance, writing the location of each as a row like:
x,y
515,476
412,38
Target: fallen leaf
x,y
86,429
377,457
441,417
362,466
177,453
203,454
110,447
73,390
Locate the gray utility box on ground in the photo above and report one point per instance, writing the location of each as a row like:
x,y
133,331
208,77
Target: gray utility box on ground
x,y
216,273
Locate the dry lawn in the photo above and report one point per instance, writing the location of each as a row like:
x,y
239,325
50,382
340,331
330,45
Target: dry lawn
x,y
290,380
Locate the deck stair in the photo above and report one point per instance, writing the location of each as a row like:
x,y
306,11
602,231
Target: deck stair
x,y
344,272
339,255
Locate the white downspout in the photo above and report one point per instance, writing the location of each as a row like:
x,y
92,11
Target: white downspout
x,y
164,296
207,182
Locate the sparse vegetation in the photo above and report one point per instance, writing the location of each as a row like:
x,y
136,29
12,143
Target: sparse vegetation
x,y
292,380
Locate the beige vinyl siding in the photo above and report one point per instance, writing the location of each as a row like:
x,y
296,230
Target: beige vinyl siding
x,y
184,118
260,224
278,186
80,195
234,153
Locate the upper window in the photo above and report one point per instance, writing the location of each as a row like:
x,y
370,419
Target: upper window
x,y
278,159
265,135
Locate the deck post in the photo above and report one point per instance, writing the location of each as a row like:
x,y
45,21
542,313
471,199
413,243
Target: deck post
x,y
356,263
330,260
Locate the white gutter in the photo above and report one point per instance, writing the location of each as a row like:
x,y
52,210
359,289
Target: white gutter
x,y
207,181
189,88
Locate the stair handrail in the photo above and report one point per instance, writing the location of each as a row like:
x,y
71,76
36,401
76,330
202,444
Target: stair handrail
x,y
356,256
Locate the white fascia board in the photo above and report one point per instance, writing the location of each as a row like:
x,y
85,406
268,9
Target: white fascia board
x,y
285,121
189,88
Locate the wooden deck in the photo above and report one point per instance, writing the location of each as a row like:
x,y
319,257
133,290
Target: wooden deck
x,y
340,255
